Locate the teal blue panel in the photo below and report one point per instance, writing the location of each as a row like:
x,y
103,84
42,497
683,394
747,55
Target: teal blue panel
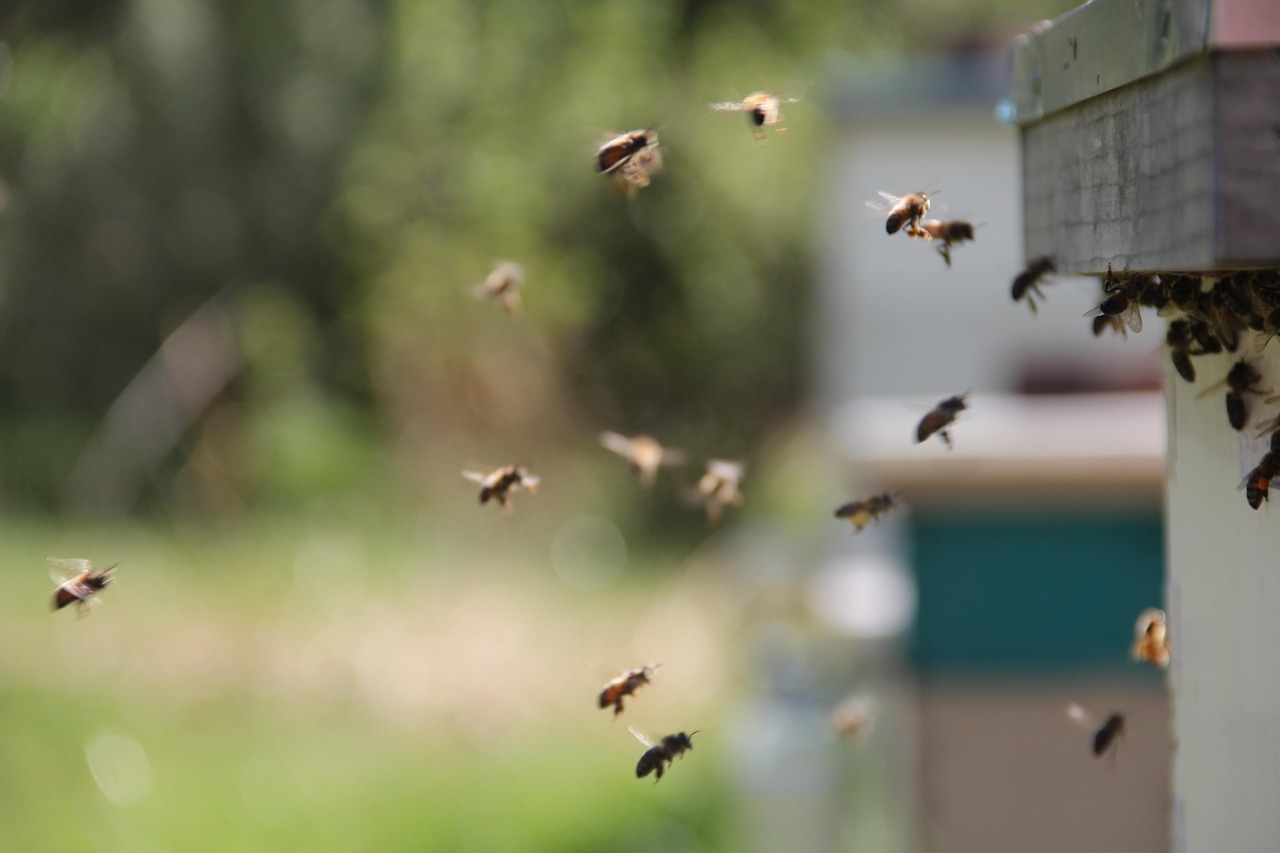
x,y
1032,592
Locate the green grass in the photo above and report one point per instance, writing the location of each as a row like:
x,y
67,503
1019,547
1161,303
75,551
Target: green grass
x,y
296,686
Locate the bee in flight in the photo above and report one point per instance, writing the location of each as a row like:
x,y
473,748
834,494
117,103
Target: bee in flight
x,y
78,583
720,487
662,752
643,453
763,110
1106,737
1241,379
497,485
947,234
1151,638
863,512
630,158
940,418
503,286
1027,282
854,717
904,213
625,685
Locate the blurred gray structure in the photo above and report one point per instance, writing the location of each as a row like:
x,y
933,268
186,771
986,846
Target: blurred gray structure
x,y
972,725
1158,129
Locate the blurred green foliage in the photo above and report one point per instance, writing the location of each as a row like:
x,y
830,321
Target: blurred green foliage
x,y
338,174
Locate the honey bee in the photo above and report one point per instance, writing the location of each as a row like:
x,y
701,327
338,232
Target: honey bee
x,y
643,453
1241,380
1106,738
625,685
1179,340
1151,638
905,212
503,286
1027,282
947,234
940,418
1257,483
1123,299
630,158
854,717
496,485
720,487
763,110
78,583
1180,292
863,512
1103,322
662,752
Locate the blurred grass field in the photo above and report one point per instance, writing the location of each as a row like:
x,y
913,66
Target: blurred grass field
x,y
289,685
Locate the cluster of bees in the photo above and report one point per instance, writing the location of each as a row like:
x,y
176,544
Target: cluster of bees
x,y
1209,314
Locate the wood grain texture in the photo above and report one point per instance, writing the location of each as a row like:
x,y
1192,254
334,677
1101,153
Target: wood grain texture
x,y
1178,171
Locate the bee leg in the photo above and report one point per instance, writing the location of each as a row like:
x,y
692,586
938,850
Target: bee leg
x,y
946,438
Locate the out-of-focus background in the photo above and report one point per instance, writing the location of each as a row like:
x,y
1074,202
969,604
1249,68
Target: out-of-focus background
x,y
241,354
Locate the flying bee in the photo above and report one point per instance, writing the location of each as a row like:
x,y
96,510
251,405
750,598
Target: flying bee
x,y
854,717
497,485
1241,380
719,487
1151,638
662,752
625,685
940,418
863,512
1257,483
630,158
1027,282
947,234
503,286
1106,737
763,110
1179,340
904,213
1123,299
78,583
643,453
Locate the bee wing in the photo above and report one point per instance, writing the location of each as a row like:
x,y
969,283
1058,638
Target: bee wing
x,y
1080,715
892,199
1217,386
729,106
64,570
642,737
725,469
672,456
1269,427
619,444
475,476
1133,318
